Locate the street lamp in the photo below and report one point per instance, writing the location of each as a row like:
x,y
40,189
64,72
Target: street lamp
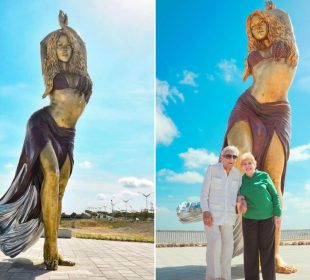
x,y
126,201
112,205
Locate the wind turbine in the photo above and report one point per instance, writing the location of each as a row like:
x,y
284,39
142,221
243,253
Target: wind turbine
x,y
126,201
146,196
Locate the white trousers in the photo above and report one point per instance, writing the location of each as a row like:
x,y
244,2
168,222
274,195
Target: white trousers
x,y
220,246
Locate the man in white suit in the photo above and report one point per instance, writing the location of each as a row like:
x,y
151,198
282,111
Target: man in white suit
x,y
218,202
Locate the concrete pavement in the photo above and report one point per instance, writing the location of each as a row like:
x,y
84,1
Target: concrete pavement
x,y
95,260
189,263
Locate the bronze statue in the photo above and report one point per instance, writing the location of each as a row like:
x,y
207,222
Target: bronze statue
x,y
33,201
260,120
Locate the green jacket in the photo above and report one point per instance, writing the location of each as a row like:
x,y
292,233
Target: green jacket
x,y
261,196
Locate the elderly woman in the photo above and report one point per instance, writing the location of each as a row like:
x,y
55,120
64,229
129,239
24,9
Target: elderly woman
x,y
259,220
34,199
260,120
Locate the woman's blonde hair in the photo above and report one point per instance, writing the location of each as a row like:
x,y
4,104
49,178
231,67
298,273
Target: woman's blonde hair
x,y
247,156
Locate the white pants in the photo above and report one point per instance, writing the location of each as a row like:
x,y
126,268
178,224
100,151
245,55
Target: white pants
x,y
220,246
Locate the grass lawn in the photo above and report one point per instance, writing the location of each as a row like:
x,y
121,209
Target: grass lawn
x,y
111,230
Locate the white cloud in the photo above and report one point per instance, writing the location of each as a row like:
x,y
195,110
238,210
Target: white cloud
x,y
86,164
162,210
5,182
99,193
300,153
87,184
9,165
126,195
164,93
117,197
229,69
298,201
188,177
287,195
303,83
193,198
137,17
8,89
189,78
101,196
195,158
134,182
166,130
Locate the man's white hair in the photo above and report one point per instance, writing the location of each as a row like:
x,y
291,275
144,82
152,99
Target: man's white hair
x,y
233,149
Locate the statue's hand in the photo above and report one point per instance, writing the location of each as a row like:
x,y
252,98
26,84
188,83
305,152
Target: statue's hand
x,y
269,5
207,218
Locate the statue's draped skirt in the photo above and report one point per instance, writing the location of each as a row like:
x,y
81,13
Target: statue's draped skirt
x,y
20,207
264,119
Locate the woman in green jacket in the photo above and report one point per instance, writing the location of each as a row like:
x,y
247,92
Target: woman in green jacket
x,y
260,218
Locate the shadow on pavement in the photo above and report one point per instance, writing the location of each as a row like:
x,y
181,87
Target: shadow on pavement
x,y
18,267
193,272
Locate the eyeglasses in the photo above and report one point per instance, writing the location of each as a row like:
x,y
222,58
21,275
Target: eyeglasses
x,y
228,156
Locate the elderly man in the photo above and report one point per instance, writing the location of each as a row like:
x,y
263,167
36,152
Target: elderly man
x,y
218,202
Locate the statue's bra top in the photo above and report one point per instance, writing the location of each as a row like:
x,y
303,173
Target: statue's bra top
x,y
74,81
279,50
254,58
61,82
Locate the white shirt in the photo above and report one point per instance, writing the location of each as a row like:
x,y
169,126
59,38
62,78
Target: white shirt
x,y
219,193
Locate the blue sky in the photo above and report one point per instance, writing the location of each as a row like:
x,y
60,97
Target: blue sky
x,y
200,50
114,148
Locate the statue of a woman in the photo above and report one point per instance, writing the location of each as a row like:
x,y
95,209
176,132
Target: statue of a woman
x,y
33,201
260,120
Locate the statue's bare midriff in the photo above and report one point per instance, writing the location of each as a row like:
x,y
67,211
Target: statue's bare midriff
x,y
272,80
67,105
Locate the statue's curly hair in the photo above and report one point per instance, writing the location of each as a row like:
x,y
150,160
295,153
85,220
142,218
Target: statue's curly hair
x,y
277,32
51,66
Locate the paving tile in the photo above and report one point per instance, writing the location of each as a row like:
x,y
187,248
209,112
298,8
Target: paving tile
x,y
95,260
189,263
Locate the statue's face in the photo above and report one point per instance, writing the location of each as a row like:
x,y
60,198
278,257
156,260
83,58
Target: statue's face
x,y
259,28
64,49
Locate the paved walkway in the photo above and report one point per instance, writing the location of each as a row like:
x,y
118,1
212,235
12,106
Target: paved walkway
x,y
95,260
189,263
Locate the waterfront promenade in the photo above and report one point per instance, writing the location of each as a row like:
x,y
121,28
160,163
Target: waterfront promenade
x,y
189,263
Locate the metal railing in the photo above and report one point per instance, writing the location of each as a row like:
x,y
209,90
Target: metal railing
x,y
198,237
